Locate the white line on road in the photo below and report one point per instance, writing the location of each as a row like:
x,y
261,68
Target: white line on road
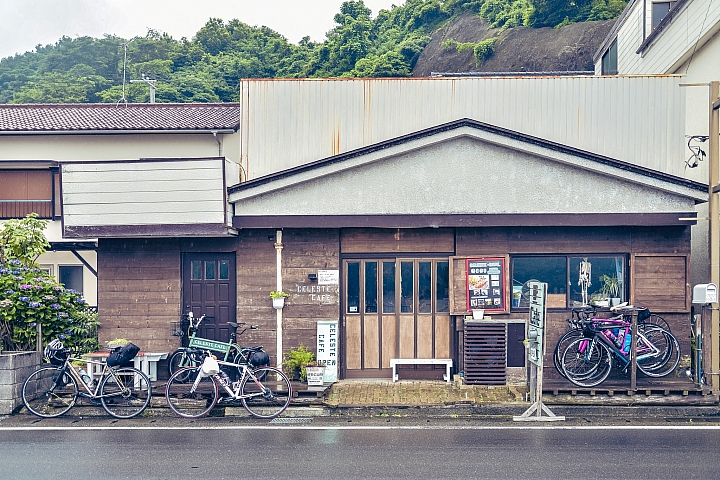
x,y
330,427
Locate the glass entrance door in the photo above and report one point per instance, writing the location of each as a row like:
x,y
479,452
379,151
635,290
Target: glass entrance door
x,y
394,308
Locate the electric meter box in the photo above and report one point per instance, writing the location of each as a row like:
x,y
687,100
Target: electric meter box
x,y
705,293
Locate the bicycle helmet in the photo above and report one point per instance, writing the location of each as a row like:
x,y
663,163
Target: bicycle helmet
x,y
55,352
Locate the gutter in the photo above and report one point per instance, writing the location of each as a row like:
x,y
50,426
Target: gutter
x,y
115,132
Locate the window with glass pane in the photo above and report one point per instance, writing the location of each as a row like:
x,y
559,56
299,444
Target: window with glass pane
x,y
371,295
196,270
224,273
209,270
388,287
406,287
353,287
71,276
605,279
442,295
425,287
547,269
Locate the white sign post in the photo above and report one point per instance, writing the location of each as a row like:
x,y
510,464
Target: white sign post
x,y
536,350
327,348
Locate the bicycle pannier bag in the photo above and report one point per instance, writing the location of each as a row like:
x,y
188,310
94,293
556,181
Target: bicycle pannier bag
x,y
122,354
258,359
210,367
643,314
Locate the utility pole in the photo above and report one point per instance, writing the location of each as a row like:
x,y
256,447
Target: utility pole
x,y
149,82
714,220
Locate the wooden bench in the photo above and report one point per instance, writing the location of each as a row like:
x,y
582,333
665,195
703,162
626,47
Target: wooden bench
x,y
394,362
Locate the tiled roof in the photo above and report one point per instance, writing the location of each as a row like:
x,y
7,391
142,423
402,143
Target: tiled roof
x,y
110,117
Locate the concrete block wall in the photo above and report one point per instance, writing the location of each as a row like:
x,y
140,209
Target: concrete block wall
x,y
15,367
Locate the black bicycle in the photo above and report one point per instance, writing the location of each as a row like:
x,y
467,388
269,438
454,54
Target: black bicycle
x,y
52,390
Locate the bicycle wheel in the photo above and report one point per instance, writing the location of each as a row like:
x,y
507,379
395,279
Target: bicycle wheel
x,y
267,398
668,357
49,392
586,368
655,321
190,395
565,339
126,392
181,359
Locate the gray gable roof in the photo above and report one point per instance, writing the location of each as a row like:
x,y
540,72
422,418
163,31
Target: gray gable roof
x,y
78,118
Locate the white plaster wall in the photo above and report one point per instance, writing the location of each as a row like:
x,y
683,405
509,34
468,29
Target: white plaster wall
x,y
118,146
463,176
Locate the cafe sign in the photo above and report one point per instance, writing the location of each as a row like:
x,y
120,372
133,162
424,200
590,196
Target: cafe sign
x,y
486,284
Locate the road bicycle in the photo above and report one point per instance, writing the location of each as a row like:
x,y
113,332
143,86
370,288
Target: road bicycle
x,y
52,390
193,392
587,361
193,354
645,319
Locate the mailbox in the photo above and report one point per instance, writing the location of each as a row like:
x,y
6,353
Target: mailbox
x,y
705,293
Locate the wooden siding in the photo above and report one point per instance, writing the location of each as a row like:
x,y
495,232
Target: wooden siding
x,y
149,192
304,252
139,292
668,241
660,281
396,240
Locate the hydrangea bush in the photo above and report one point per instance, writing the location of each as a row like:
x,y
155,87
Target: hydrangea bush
x,y
30,297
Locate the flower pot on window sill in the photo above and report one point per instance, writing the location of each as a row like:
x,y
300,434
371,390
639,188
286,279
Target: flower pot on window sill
x,y
278,303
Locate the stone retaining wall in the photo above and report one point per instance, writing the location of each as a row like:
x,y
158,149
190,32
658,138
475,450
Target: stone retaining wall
x,y
15,367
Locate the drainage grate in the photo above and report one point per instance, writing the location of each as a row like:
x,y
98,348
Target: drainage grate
x,y
290,420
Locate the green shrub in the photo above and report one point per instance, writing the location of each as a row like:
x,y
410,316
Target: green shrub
x,y
29,296
296,360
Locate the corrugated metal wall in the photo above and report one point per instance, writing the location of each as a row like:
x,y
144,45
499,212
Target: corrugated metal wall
x,y
637,119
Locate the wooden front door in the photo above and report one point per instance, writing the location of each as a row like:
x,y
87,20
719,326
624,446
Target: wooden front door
x,y
209,289
395,308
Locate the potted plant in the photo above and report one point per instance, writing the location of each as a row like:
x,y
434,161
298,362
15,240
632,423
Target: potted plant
x,y
611,288
295,362
278,298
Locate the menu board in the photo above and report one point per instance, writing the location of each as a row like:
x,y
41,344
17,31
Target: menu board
x,y
486,284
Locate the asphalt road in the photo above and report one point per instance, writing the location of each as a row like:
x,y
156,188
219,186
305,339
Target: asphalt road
x,y
223,450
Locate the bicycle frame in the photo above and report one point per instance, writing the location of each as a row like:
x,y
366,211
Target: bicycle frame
x,y
234,392
88,393
604,334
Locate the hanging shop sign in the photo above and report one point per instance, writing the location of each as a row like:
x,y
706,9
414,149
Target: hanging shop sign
x,y
486,284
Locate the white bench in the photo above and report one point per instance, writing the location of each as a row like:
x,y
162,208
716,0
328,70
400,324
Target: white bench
x,y
146,362
394,362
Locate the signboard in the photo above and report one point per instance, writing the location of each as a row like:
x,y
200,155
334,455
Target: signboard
x,y
328,277
327,348
486,284
536,328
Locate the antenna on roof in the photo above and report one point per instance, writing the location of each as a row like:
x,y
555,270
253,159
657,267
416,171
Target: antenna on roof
x,y
149,82
124,45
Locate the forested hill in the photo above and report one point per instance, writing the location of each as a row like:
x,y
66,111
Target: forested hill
x,y
207,68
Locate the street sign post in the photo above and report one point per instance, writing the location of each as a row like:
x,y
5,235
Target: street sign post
x,y
536,351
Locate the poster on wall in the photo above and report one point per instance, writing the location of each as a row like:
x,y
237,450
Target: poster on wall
x,y
327,348
486,284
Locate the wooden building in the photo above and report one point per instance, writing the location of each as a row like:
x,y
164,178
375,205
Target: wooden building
x,y
368,205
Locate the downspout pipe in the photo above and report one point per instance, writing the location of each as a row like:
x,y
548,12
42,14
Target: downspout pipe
x,y
215,133
278,287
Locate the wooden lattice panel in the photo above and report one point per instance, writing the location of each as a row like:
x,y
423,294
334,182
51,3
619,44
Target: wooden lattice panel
x,y
485,354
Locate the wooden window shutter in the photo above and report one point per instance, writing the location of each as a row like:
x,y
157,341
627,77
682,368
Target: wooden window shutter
x,y
660,282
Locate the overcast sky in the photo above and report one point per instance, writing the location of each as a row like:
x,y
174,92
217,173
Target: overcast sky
x,y
27,23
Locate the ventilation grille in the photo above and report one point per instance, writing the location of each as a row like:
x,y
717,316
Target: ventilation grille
x,y
485,354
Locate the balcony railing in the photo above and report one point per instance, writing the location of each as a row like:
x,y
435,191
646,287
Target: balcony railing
x,y
20,208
